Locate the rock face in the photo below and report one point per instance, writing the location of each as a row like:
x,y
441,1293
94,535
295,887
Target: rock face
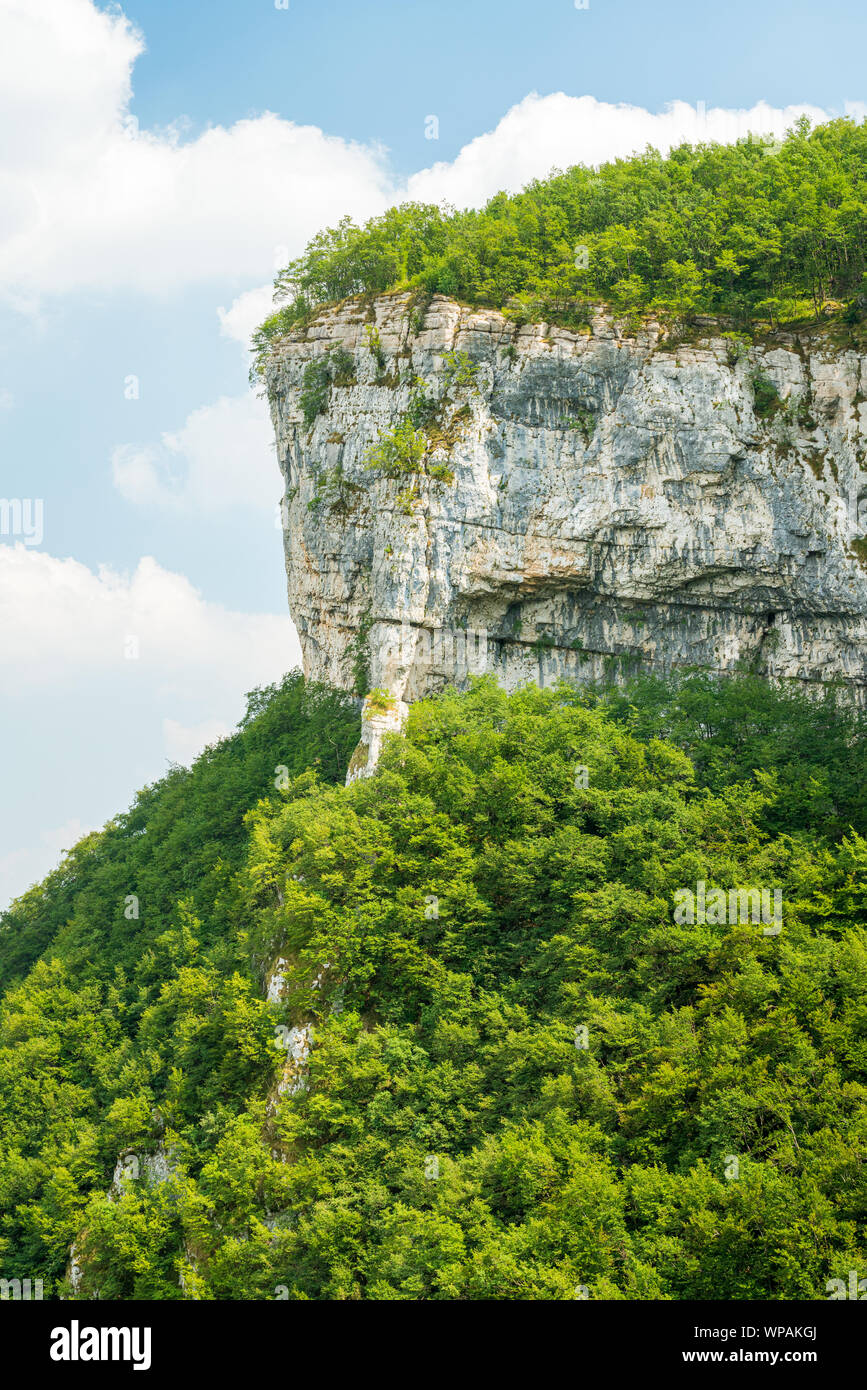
x,y
155,1168
588,503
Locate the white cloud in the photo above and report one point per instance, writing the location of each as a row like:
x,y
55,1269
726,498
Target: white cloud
x,y
222,457
185,742
67,59
7,400
544,132
87,200
61,622
88,721
22,867
246,313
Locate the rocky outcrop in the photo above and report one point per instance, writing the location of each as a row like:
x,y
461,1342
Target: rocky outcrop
x,y
295,1042
585,503
131,1167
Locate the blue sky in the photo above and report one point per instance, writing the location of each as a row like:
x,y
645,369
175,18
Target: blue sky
x,y
367,69
145,200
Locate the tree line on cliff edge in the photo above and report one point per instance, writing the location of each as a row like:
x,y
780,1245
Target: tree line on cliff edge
x,y
527,1079
756,231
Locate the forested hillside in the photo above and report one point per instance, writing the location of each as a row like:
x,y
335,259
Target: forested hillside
x,y
527,1078
756,231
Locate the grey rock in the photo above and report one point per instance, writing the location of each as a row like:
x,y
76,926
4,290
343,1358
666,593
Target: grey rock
x,y
615,504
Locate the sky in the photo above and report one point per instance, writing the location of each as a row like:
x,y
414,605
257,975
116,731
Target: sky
x,y
158,162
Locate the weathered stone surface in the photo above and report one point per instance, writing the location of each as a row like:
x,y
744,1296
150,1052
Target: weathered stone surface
x,y
613,502
131,1166
297,1043
376,723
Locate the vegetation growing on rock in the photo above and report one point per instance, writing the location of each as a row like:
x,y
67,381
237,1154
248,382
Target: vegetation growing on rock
x,y
753,231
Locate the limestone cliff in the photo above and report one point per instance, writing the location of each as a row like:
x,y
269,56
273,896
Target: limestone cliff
x,y
586,501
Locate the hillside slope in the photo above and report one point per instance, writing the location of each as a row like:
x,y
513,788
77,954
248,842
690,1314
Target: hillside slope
x,y
445,1033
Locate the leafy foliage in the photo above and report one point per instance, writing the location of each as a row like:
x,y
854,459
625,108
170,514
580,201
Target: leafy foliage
x,y
315,388
451,928
765,395
182,838
398,451
752,230
335,367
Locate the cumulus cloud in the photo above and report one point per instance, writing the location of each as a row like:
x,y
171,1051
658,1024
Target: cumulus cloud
x,y
109,677
88,200
544,132
245,314
151,630
222,457
21,867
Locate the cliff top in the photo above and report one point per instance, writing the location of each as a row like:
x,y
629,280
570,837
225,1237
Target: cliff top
x,y
707,231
